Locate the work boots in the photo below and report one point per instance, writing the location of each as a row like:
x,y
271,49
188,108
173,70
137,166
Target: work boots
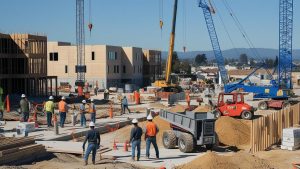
x,y
94,163
85,163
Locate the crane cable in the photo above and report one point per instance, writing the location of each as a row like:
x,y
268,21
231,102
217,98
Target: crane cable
x,y
244,34
214,7
184,26
161,15
90,25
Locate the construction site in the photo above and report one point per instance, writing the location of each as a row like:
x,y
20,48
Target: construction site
x,y
93,105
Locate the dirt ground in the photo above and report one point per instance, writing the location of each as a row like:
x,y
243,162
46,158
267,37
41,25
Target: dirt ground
x,y
66,161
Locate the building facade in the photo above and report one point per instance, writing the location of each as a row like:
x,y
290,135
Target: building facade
x,y
152,66
107,66
23,65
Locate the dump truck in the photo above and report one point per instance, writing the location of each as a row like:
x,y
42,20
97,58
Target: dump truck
x,y
189,129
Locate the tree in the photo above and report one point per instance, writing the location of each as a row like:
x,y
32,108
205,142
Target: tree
x,y
252,62
243,59
175,63
275,64
269,63
200,59
185,67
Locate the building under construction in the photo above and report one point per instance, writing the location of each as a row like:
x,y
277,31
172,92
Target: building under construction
x,y
23,65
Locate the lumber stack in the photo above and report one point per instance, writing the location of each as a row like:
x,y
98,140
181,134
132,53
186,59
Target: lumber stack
x,y
291,138
19,150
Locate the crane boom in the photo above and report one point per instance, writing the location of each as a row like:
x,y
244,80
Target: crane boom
x,y
214,40
285,44
171,47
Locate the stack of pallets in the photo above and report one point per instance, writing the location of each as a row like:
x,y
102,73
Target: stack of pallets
x,y
291,138
19,150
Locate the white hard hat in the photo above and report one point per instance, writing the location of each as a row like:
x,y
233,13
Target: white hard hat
x,y
83,101
51,98
149,117
63,98
92,124
92,99
23,95
134,121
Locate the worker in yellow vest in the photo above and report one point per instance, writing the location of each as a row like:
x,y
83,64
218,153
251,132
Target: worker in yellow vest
x,y
92,110
150,136
63,109
49,108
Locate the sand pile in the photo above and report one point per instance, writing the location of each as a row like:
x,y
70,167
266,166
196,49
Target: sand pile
x,y
205,108
123,134
237,161
233,132
177,109
157,106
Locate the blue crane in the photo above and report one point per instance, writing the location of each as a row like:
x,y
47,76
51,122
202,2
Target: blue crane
x,y
274,90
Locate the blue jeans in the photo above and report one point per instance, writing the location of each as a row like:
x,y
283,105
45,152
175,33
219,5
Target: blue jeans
x,y
125,107
62,118
82,120
148,142
25,116
49,118
91,147
136,144
93,117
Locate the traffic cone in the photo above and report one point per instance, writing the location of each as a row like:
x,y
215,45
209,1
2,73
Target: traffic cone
x,y
126,146
36,125
7,104
111,111
115,145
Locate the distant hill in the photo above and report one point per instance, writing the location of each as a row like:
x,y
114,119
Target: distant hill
x,y
235,53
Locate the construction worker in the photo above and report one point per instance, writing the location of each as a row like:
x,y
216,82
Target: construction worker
x,y
150,136
106,94
82,109
125,105
49,108
135,139
63,109
92,110
24,105
93,137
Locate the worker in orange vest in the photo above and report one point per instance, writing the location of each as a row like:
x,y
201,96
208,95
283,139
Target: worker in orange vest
x,y
92,110
63,109
150,136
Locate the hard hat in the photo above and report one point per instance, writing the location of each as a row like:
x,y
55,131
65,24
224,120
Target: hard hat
x,y
63,98
92,99
23,96
92,124
83,101
149,117
134,121
51,98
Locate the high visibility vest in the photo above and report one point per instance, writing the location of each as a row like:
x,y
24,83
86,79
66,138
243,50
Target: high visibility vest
x,y
62,106
151,129
49,106
92,108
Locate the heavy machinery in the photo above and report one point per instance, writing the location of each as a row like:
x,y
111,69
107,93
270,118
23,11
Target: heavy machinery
x,y
277,90
166,83
233,105
189,130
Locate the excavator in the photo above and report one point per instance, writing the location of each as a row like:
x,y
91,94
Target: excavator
x,y
166,84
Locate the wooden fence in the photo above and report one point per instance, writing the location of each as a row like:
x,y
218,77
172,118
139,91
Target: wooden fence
x,y
267,130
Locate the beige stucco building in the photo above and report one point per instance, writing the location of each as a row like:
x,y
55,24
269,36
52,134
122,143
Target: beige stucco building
x,y
23,65
109,66
152,65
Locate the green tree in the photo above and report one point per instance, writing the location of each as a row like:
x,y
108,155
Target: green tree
x,y
185,67
200,59
269,63
243,59
175,63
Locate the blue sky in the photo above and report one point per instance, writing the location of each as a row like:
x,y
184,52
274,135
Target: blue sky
x,y
136,22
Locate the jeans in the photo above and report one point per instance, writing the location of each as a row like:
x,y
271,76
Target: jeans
x,y
25,116
91,147
125,107
148,142
82,120
62,118
49,118
136,144
93,117
1,115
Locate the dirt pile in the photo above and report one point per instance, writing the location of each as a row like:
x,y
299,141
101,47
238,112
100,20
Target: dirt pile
x,y
157,106
123,134
177,109
237,161
205,108
233,132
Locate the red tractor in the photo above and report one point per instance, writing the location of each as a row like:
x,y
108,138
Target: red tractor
x,y
232,104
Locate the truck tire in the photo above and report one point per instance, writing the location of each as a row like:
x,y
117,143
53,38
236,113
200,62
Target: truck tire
x,y
247,115
169,139
217,114
263,105
285,104
209,146
186,143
